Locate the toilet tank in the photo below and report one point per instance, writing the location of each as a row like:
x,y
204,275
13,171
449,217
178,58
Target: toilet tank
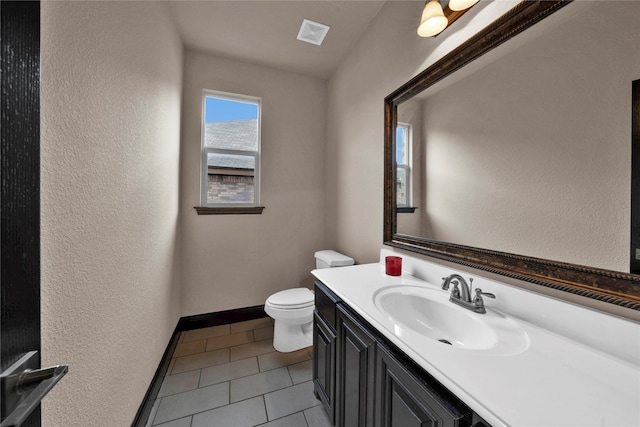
x,y
329,259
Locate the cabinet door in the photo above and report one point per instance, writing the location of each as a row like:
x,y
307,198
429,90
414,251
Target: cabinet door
x,y
403,401
356,370
324,340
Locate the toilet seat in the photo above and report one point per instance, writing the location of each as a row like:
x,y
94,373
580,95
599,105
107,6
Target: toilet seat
x,y
291,299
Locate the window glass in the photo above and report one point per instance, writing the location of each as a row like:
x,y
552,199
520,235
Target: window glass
x,y
403,165
231,150
401,145
401,190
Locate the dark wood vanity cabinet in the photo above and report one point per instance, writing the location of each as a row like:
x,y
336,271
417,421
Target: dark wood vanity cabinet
x,y
355,369
406,402
364,381
324,348
324,374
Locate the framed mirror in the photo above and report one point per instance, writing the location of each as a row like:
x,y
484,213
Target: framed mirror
x,y
520,151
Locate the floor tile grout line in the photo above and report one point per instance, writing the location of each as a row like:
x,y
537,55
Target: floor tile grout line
x,y
286,365
260,371
191,390
200,378
190,354
248,375
220,350
237,378
213,409
284,416
266,413
258,395
229,348
241,400
305,418
229,381
290,376
192,415
229,328
206,337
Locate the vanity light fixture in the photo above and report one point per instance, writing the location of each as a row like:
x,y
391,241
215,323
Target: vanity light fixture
x,y
435,19
458,5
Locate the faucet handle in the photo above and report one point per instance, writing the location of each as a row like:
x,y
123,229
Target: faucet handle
x,y
455,292
479,294
478,302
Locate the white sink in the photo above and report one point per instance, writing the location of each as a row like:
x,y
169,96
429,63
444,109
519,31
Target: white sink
x,y
428,312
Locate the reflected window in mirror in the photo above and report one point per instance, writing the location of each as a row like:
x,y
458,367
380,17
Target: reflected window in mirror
x,y
404,142
570,200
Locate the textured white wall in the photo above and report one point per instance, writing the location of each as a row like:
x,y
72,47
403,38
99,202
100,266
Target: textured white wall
x,y
111,95
388,55
232,261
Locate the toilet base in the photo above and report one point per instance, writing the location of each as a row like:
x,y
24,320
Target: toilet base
x,y
289,337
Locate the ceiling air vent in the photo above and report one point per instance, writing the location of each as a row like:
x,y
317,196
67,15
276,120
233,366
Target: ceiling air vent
x,y
312,32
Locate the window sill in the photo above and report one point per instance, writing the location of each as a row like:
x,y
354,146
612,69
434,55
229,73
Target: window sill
x,y
407,209
256,210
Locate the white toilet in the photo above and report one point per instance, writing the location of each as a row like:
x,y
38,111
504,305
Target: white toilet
x,y
292,309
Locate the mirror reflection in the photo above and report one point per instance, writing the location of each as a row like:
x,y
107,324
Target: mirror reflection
x,y
530,152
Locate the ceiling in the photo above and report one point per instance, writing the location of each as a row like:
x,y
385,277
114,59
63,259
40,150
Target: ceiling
x,y
265,31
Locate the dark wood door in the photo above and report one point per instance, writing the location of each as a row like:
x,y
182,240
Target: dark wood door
x,y
355,365
20,198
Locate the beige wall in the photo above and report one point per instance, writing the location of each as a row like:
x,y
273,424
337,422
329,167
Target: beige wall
x,y
233,261
388,55
531,154
124,253
110,112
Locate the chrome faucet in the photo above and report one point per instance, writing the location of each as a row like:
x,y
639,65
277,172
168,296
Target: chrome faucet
x,y
461,293
457,280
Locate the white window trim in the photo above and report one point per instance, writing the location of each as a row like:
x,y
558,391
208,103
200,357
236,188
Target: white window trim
x,y
406,167
204,168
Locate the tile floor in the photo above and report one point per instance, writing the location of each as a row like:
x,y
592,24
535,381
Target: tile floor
x,y
231,376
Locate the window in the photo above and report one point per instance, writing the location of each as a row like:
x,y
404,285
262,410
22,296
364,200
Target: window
x,y
403,165
230,151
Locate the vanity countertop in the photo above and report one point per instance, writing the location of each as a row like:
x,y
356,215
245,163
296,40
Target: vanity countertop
x,y
554,381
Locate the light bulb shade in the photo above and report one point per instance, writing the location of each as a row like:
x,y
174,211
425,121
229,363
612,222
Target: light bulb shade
x,y
433,20
457,5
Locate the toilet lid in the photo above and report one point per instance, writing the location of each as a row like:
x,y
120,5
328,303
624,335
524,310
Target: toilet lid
x,y
292,298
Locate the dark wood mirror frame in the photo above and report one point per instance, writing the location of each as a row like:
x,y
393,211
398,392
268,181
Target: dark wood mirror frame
x,y
612,287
